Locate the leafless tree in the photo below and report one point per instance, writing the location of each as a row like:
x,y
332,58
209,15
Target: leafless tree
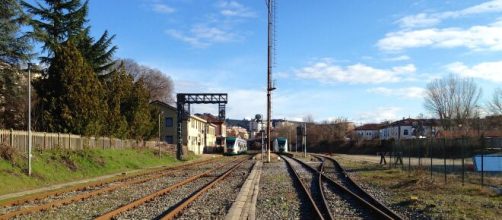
x,y
160,86
495,105
452,99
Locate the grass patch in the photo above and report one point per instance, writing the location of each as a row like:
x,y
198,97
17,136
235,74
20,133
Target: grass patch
x,y
59,165
417,191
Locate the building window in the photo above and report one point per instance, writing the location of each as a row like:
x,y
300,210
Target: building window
x,y
405,132
169,122
169,140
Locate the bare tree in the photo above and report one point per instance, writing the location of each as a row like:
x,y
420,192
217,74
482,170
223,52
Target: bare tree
x,y
452,99
495,105
308,118
159,85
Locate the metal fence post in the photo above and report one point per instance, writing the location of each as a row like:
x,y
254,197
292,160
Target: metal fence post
x,y
444,158
430,154
482,161
463,164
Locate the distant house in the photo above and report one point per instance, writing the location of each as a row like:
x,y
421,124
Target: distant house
x,y
409,129
221,128
367,131
198,134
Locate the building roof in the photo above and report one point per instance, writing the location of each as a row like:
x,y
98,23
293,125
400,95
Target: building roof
x,y
411,121
368,127
211,118
163,104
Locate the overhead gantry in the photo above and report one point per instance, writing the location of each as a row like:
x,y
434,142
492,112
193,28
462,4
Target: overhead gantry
x,y
183,101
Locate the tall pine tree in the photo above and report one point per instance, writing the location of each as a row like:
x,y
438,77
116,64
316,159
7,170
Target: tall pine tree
x,y
57,21
72,98
14,45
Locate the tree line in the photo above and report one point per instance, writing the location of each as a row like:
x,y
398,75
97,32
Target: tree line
x,y
455,101
79,86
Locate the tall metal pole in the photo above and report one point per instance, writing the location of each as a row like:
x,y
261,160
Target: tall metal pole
x,y
305,140
269,75
262,143
29,119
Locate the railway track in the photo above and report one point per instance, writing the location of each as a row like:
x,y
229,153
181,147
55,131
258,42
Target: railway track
x,y
170,202
317,185
334,171
57,198
311,186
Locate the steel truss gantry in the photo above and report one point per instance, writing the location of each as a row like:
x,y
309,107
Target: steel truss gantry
x,y
183,101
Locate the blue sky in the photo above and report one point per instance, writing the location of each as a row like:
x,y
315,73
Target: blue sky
x,y
364,60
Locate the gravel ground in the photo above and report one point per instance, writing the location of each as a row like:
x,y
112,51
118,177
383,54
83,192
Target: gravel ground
x,y
101,204
381,195
65,195
217,201
278,197
341,205
155,207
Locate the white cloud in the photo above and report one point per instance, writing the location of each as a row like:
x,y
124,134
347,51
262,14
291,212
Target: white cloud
x,y
418,20
408,93
203,36
235,9
431,19
475,38
326,71
378,114
163,8
489,70
398,58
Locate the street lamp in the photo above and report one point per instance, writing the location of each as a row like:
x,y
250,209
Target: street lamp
x,y
29,119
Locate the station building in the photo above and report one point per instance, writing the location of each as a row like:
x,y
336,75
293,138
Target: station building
x,y
198,134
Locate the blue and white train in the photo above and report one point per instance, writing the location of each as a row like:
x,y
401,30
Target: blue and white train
x,y
281,145
235,146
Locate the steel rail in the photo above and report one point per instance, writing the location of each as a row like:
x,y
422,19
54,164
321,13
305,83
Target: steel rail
x,y
379,214
84,196
81,187
361,192
316,211
150,197
178,208
323,194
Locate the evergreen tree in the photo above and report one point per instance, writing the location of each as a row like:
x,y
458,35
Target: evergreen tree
x,y
58,21
14,46
61,20
141,122
72,98
96,52
119,87
13,102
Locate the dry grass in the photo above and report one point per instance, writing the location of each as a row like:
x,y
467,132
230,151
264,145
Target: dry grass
x,y
418,192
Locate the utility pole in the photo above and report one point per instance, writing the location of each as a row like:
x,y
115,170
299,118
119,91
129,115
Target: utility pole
x,y
29,119
160,138
270,6
305,140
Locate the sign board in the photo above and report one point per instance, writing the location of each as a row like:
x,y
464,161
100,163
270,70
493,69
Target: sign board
x,y
491,162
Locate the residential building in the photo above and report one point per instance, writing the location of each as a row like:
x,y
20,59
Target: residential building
x,y
236,131
221,130
368,131
407,129
197,134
